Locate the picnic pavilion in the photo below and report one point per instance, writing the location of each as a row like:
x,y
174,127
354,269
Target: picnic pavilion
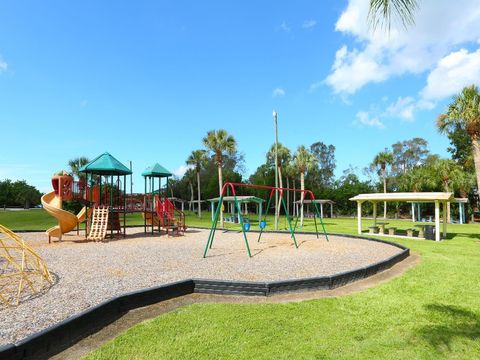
x,y
433,197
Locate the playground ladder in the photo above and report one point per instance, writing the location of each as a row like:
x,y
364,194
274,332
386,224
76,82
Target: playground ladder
x,y
98,228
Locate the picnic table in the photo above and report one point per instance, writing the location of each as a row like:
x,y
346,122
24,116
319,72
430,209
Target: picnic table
x,y
421,232
381,226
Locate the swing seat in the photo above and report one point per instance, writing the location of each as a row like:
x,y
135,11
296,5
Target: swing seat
x,y
246,226
263,224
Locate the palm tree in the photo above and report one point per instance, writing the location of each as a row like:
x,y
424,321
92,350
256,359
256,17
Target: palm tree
x,y
383,159
447,170
220,142
380,12
76,164
304,161
198,159
465,111
283,158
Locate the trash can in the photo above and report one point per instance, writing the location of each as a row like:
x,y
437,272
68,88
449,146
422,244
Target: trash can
x,y
429,232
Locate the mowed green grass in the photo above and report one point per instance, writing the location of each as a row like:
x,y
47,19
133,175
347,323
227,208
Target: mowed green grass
x,y
430,312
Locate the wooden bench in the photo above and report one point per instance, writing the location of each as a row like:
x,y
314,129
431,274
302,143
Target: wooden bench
x,y
373,229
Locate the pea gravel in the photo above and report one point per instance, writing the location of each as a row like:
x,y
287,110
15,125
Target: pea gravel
x,y
88,273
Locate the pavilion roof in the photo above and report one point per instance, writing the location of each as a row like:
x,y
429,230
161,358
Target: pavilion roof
x,y
156,170
241,199
405,196
105,164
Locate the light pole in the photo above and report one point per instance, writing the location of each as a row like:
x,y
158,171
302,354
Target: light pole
x,y
131,178
276,169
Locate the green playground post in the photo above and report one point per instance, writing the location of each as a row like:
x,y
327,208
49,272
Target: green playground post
x,y
265,215
212,229
296,219
242,225
289,222
321,222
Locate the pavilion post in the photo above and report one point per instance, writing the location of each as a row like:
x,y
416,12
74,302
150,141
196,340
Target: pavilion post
x,y
461,211
321,210
444,219
374,214
331,210
437,220
413,212
359,216
213,212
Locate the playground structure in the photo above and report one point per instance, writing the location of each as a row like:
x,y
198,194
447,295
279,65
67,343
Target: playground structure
x,y
52,203
24,273
102,191
263,223
159,211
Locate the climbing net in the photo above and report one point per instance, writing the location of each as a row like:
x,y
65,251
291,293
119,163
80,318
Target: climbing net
x,y
23,272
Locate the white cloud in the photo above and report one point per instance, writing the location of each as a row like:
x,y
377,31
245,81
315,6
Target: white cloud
x,y
3,65
365,118
453,72
285,27
278,92
308,24
181,170
402,108
440,27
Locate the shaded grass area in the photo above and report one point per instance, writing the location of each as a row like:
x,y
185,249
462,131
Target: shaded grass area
x,y
431,312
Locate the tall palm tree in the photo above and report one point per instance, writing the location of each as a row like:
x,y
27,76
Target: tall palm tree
x,y
75,165
220,142
383,159
304,161
283,158
465,111
198,159
380,12
447,171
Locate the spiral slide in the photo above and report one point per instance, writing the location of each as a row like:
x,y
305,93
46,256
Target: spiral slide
x,y
66,220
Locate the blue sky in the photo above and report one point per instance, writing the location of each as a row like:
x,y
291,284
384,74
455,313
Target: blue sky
x,y
146,80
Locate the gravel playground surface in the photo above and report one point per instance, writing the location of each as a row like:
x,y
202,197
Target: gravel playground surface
x,y
88,273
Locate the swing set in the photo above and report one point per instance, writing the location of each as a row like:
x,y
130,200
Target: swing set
x,y
263,223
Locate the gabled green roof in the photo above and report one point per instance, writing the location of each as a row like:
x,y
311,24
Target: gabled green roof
x,y
105,164
156,170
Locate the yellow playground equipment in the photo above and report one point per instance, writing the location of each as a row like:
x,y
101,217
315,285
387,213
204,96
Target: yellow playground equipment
x,y
52,203
23,272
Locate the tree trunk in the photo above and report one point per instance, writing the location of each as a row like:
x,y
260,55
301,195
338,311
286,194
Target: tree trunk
x,y
220,186
302,196
448,204
288,196
384,191
191,196
279,196
476,160
198,190
294,199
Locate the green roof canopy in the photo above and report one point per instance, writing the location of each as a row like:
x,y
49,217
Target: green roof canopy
x,y
156,170
105,164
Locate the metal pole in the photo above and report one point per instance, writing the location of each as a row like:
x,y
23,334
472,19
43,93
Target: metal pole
x,y
131,178
276,169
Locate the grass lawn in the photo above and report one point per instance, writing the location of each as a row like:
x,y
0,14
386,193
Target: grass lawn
x,y
431,312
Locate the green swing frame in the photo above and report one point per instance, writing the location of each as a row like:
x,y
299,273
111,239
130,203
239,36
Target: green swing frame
x,y
229,185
